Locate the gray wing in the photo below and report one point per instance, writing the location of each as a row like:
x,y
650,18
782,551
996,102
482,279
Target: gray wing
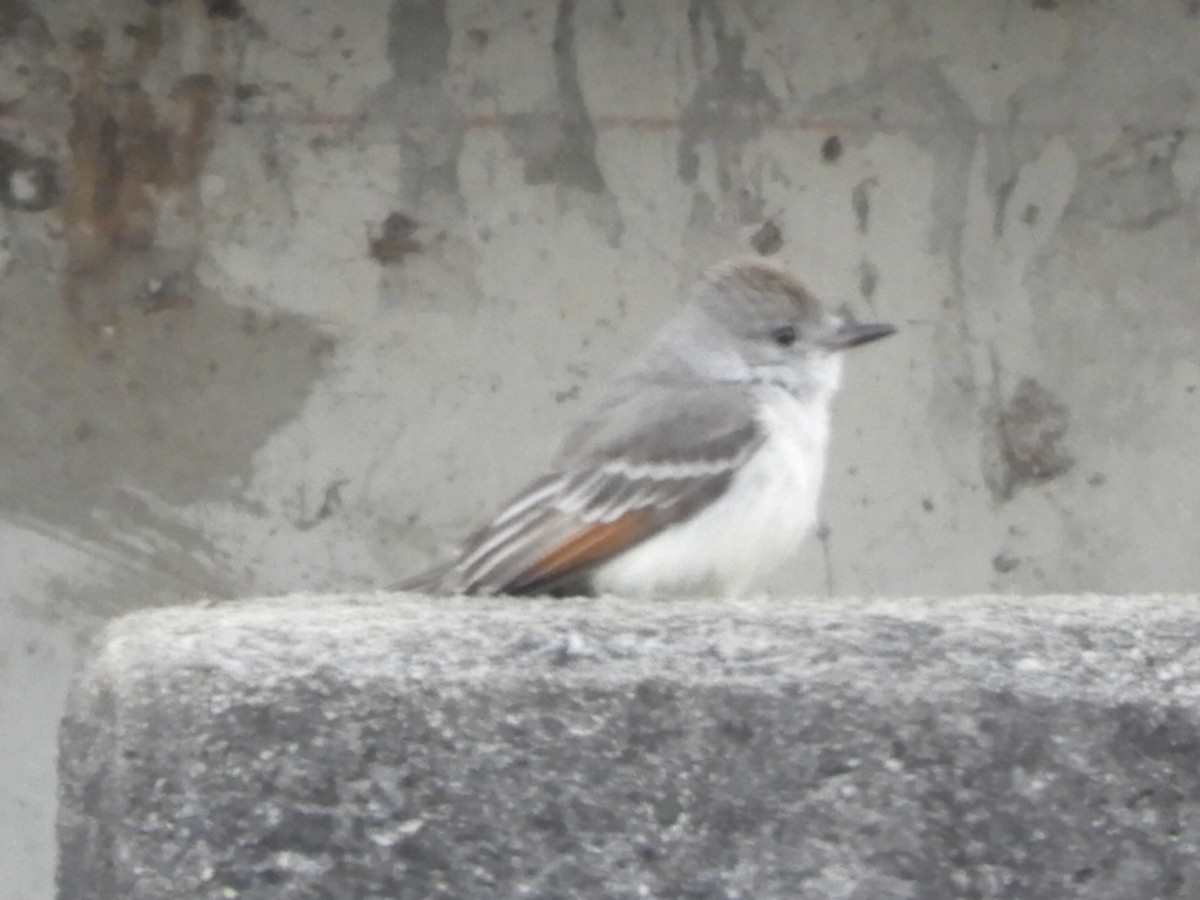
x,y
640,463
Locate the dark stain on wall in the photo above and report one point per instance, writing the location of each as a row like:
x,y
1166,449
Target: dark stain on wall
x,y
868,279
419,41
860,199
557,142
768,239
731,103
396,240
831,149
1028,432
431,134
224,9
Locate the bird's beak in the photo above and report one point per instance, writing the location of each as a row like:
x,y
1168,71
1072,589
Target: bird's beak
x,y
851,334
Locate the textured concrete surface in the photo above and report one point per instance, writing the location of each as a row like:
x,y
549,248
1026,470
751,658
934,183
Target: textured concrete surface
x,y
290,291
981,747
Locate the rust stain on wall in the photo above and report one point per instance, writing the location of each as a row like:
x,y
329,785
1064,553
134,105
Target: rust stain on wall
x,y
129,154
140,383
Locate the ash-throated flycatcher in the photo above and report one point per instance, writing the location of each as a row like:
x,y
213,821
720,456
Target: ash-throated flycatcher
x,y
700,468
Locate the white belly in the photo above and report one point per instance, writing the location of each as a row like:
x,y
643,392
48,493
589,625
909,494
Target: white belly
x,y
734,544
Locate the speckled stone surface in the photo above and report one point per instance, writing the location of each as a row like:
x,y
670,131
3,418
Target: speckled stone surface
x,y
394,747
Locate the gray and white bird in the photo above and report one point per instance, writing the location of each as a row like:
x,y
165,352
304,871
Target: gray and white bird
x,y
698,471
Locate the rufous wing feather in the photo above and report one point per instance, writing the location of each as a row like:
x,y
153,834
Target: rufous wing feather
x,y
588,547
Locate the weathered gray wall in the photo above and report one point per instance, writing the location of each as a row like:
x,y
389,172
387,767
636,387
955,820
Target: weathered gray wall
x,y
291,293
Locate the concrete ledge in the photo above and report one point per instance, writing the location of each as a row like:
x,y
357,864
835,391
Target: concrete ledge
x,y
396,747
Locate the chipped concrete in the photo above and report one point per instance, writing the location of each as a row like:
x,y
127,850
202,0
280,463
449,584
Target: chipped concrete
x,y
291,295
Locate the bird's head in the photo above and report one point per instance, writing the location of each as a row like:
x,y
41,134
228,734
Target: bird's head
x,y
749,320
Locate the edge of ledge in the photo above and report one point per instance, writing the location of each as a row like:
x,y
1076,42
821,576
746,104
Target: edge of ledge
x,y
1141,645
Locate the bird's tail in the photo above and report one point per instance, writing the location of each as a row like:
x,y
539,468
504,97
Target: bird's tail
x,y
441,580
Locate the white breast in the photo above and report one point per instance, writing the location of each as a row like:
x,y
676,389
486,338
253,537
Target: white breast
x,y
758,523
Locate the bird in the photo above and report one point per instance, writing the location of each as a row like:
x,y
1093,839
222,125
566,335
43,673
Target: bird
x,y
698,471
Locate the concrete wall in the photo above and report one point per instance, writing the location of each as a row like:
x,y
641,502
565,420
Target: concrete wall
x,y
291,293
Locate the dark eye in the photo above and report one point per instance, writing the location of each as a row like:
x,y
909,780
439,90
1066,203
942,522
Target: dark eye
x,y
784,336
